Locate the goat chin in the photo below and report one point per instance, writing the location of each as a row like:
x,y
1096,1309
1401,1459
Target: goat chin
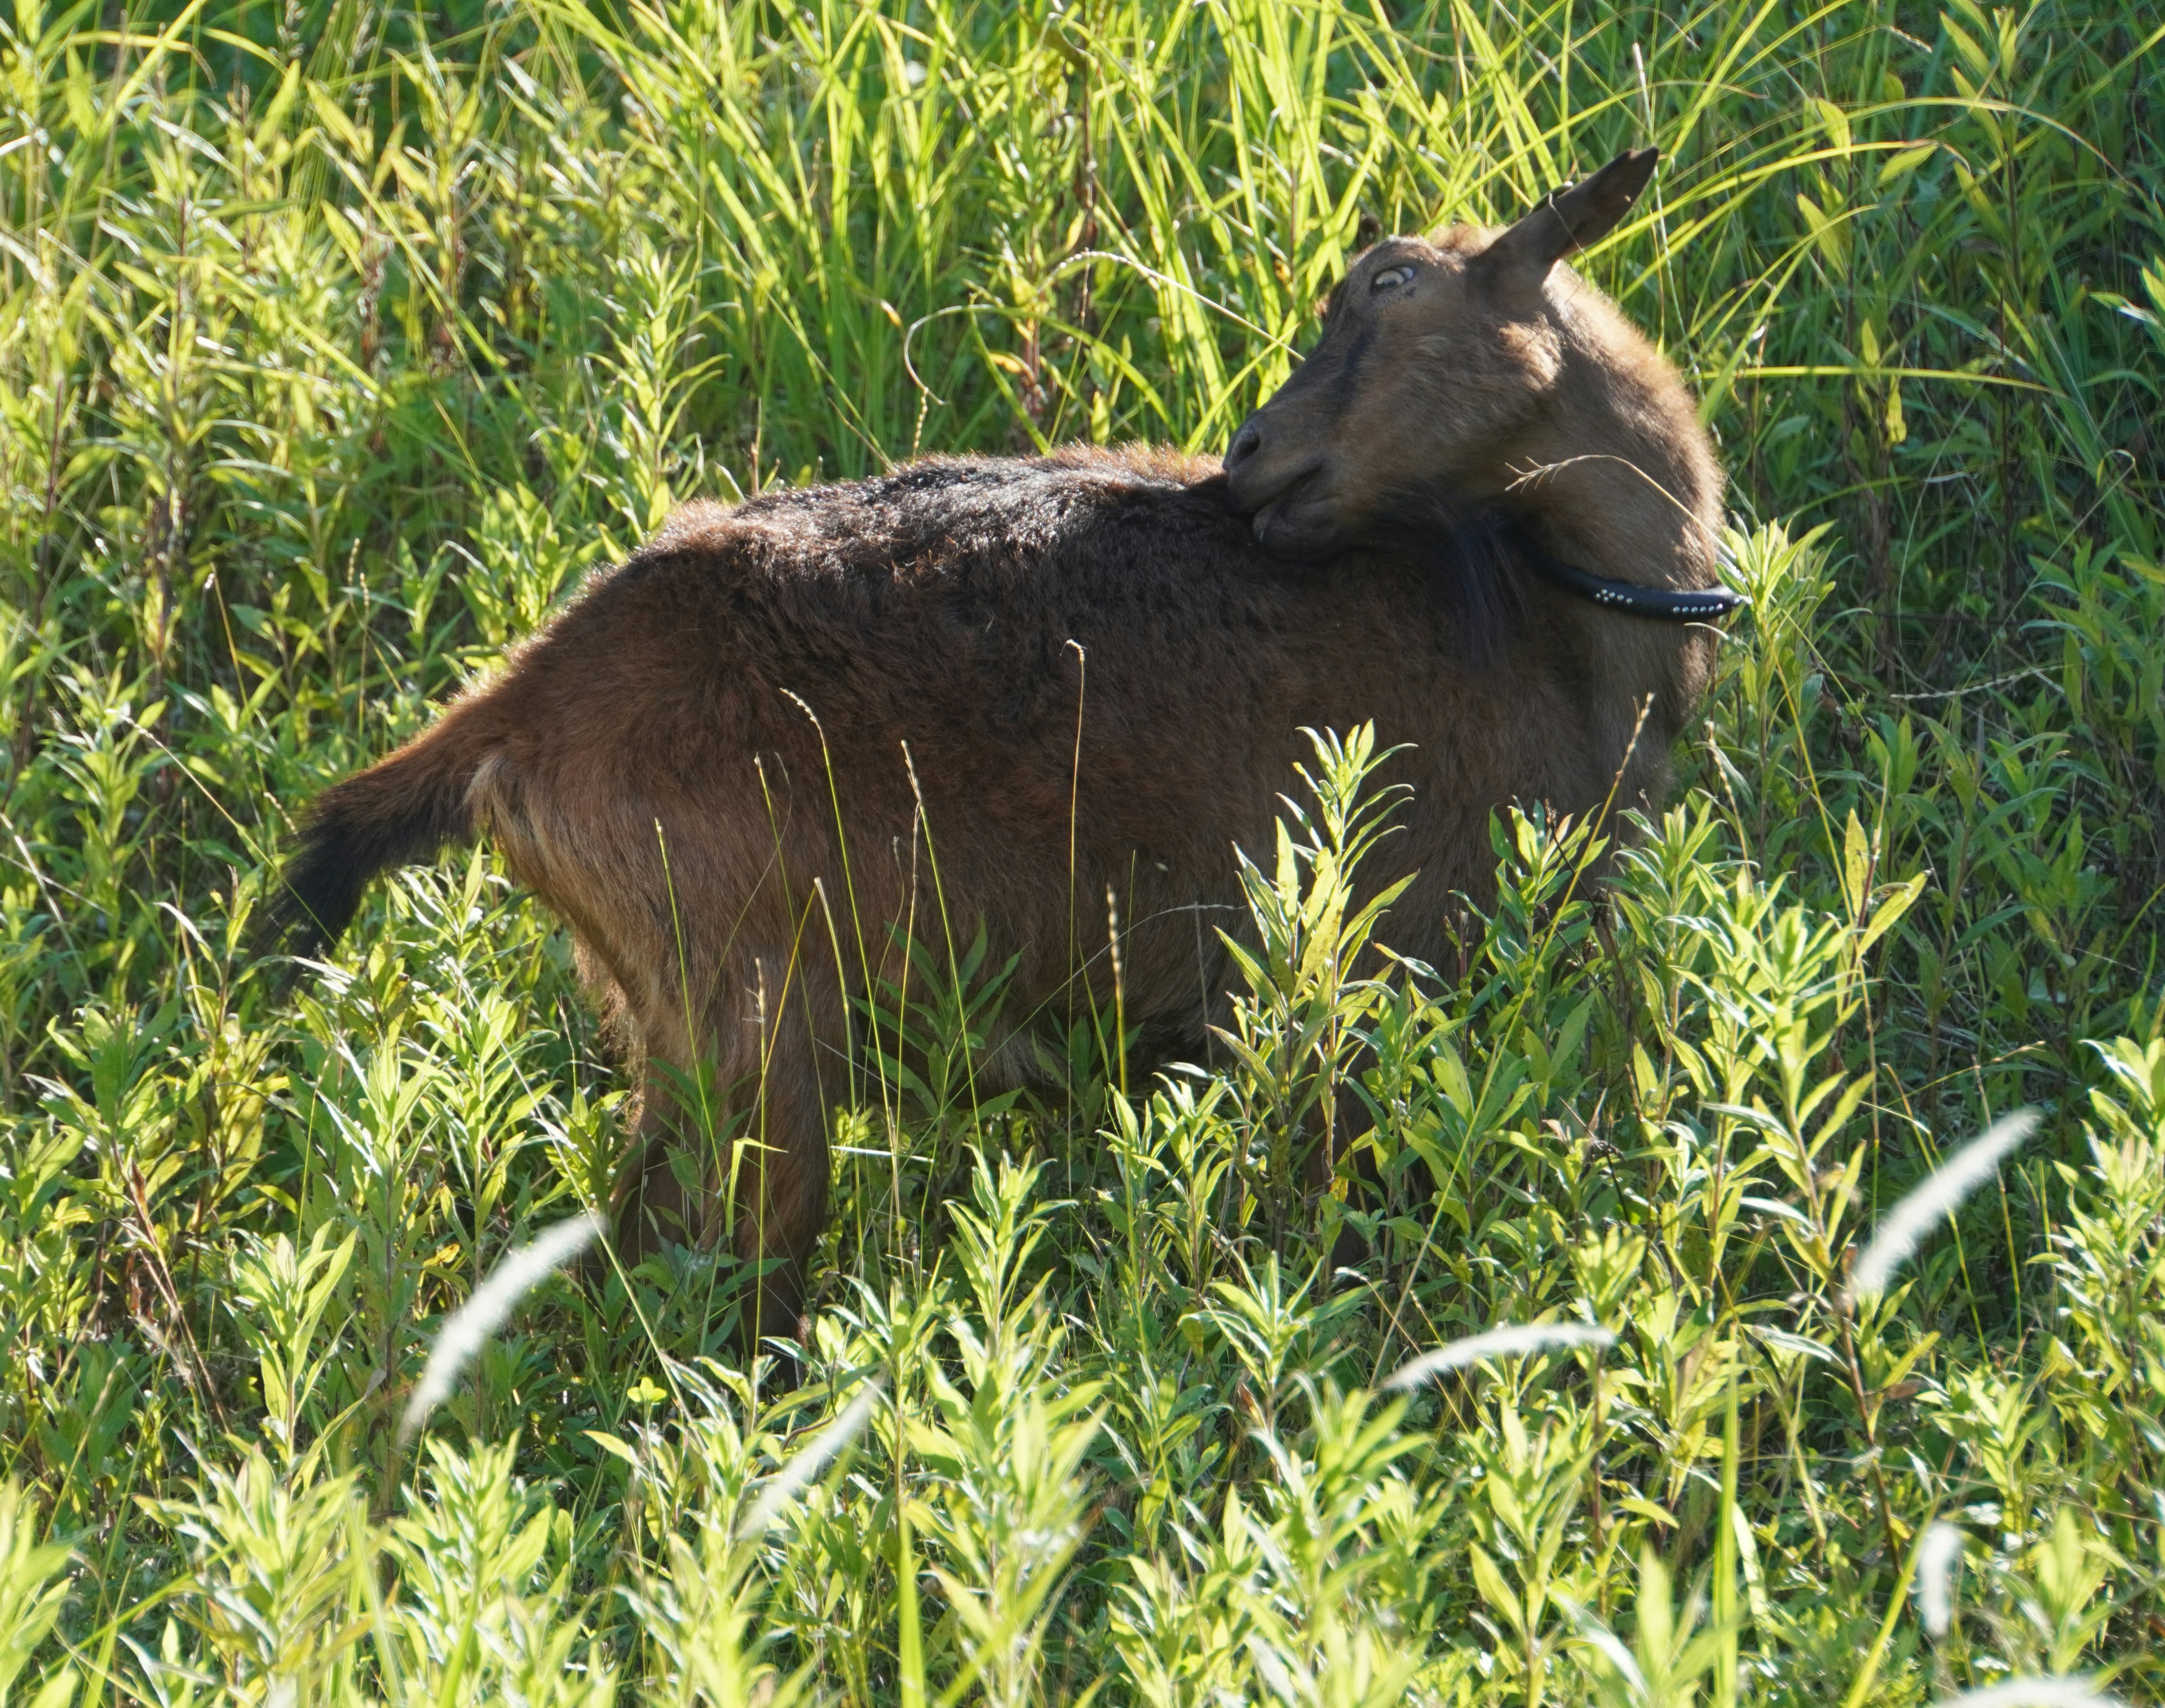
x,y
1044,698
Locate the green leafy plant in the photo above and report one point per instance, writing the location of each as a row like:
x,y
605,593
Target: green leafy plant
x,y
339,342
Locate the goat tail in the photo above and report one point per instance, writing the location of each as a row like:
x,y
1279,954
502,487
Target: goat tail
x,y
397,812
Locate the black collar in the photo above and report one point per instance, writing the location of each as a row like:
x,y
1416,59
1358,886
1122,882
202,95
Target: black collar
x,y
1664,604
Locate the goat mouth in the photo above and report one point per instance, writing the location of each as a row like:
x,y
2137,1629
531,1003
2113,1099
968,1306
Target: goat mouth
x,y
1297,521
1260,484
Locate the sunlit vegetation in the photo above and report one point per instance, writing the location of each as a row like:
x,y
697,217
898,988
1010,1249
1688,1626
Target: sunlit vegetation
x,y
336,342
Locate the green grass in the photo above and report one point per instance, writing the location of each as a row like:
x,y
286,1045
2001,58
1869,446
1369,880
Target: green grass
x,y
336,342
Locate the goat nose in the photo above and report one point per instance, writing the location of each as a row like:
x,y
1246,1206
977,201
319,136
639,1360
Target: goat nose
x,y
1245,444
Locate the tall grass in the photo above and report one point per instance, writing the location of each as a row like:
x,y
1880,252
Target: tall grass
x,y
336,342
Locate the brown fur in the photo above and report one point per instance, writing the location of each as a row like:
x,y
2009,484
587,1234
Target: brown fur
x,y
736,759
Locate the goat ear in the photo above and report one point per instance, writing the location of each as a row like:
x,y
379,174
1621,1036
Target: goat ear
x,y
1519,259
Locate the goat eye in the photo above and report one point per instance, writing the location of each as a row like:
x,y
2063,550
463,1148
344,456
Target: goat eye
x,y
1390,277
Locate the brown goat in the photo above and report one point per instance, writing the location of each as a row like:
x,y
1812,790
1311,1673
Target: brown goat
x,y
736,760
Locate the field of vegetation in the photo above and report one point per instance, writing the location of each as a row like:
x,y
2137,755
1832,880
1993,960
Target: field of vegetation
x,y
337,341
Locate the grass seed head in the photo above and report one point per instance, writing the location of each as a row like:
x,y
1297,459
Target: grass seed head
x,y
2034,1693
1509,1341
473,1322
1937,1557
1904,1227
791,1479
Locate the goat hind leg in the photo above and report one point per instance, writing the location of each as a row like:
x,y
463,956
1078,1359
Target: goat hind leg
x,y
752,1144
775,1192
680,1141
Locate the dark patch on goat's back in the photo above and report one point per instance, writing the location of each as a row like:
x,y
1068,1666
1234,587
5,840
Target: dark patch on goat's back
x,y
1460,567
949,569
